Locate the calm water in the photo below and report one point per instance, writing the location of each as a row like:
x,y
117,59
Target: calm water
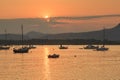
x,y
87,65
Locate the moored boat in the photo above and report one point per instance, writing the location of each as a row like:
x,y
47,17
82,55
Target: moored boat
x,y
53,56
31,47
103,48
4,47
90,47
63,47
22,49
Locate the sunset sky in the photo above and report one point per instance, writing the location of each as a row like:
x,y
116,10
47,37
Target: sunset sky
x,y
41,8
61,15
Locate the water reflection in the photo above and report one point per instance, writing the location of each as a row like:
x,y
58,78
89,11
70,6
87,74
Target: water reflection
x,y
46,62
87,65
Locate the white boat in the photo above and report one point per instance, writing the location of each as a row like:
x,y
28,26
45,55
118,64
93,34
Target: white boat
x,y
31,47
102,48
90,47
22,49
4,47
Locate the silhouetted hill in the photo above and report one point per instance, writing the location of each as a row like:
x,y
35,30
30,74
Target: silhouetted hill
x,y
35,35
110,34
13,37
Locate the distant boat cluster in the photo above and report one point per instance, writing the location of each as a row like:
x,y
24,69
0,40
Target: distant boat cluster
x,y
97,48
25,49
17,50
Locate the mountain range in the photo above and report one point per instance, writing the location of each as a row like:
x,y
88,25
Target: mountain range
x,y
110,34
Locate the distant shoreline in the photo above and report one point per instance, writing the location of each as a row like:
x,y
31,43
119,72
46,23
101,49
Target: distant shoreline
x,y
58,42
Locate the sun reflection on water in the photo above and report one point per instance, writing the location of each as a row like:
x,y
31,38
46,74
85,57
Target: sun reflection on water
x,y
46,62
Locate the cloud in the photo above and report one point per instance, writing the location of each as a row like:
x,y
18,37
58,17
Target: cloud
x,y
56,22
73,20
84,18
59,24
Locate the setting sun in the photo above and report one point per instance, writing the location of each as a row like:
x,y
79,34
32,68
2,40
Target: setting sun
x,y
46,17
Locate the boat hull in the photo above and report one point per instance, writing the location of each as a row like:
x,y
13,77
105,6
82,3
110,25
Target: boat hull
x,y
53,56
91,47
4,48
102,49
63,47
21,50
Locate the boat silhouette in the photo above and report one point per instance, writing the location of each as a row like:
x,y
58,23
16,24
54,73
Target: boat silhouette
x,y
103,48
63,47
22,49
5,46
53,56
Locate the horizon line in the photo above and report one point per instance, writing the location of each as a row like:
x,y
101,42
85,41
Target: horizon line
x,y
67,17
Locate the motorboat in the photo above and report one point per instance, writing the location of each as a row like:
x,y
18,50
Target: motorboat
x,y
53,56
31,47
103,48
21,50
63,47
4,47
90,47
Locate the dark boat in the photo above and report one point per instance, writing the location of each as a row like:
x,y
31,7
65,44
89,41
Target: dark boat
x,y
63,47
22,49
53,56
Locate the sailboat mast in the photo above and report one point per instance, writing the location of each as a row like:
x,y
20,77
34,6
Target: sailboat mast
x,y
104,36
5,34
5,37
22,34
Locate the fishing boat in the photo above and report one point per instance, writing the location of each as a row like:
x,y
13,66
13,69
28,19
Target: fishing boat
x,y
22,49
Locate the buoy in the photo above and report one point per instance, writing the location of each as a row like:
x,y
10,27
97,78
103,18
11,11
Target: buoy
x,y
75,56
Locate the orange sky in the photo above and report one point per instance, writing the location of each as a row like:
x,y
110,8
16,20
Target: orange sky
x,y
40,8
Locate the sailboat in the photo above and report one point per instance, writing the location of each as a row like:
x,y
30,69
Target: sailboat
x,y
5,46
22,49
103,48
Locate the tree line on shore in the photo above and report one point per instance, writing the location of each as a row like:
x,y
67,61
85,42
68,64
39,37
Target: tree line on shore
x,y
58,42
